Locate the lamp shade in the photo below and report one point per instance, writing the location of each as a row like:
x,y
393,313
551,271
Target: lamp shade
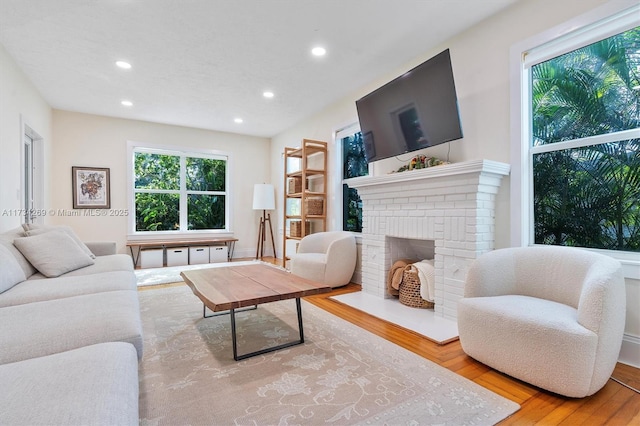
x,y
264,197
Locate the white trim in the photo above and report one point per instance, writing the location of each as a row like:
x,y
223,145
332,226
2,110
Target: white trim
x,y
37,151
571,38
336,179
445,170
588,141
522,56
630,351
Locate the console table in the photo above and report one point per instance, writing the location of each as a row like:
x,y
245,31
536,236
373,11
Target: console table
x,y
163,244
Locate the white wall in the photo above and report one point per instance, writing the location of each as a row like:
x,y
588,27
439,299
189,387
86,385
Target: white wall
x,y
90,140
480,60
19,102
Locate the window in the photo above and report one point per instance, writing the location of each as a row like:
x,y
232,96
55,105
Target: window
x,y
586,166
579,129
179,191
354,164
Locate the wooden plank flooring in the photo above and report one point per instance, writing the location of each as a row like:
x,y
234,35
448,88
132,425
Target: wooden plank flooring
x,y
615,404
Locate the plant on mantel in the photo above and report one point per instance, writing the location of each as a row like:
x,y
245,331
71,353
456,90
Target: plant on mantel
x,y
421,162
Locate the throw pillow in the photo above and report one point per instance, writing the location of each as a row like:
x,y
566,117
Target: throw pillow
x,y
11,272
53,253
32,229
6,240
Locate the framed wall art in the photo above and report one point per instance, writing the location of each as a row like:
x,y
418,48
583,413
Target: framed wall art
x,y
91,188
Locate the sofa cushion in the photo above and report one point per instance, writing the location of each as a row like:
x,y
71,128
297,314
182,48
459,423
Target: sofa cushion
x,y
53,253
41,229
44,328
6,240
11,273
102,264
33,290
94,385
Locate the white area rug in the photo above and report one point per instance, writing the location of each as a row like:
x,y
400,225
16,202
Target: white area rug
x,y
171,274
342,375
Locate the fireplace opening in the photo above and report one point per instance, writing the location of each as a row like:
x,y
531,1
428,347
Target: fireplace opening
x,y
403,251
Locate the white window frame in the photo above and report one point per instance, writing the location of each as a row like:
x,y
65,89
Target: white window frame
x,y
133,147
337,180
605,21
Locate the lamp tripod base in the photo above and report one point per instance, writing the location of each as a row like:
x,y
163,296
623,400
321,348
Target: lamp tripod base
x,y
262,236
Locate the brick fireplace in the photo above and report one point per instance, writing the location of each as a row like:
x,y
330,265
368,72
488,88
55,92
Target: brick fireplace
x,y
445,212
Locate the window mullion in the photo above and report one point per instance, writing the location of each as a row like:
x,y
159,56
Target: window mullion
x,y
183,194
589,141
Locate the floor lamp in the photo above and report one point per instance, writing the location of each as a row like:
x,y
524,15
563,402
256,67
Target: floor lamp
x,y
264,199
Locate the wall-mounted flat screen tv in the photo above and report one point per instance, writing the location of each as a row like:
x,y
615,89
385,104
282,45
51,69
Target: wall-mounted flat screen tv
x,y
417,110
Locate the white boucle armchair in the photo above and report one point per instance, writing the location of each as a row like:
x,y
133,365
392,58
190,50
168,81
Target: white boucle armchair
x,y
326,257
550,316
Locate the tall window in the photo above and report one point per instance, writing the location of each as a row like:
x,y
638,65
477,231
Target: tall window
x,y
179,191
354,164
583,145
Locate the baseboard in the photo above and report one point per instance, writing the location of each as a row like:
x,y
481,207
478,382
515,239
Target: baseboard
x,y
630,351
250,253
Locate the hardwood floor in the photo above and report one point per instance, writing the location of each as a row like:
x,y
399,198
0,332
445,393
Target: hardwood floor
x,y
615,404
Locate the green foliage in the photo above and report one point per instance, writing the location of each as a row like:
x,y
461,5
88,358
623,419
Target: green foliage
x,y
157,212
588,196
354,164
157,197
354,160
205,174
205,211
156,171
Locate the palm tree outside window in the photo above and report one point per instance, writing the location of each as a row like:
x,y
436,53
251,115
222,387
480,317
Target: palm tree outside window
x,y
584,146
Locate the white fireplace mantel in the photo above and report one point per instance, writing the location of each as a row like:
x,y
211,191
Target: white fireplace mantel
x,y
452,205
453,169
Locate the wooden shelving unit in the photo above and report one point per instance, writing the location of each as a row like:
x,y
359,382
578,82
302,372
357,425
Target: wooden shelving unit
x,y
305,193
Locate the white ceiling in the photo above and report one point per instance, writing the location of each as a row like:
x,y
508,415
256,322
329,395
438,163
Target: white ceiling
x,y
202,63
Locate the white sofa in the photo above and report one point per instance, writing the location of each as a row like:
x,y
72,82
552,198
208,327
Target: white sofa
x,y
550,316
326,257
71,332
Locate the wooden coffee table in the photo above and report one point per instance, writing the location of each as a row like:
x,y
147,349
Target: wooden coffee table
x,y
233,287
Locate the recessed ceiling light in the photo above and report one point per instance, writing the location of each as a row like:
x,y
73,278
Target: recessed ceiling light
x,y
268,94
127,103
319,51
238,120
124,65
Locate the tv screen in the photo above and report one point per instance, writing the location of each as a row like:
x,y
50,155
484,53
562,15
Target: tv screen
x,y
417,110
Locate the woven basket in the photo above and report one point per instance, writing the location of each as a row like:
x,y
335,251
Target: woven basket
x,y
410,291
295,228
294,185
314,206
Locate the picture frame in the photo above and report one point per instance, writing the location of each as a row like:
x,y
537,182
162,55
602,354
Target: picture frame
x,y
91,187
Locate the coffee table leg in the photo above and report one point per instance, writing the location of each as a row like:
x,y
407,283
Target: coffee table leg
x,y
232,315
299,307
264,351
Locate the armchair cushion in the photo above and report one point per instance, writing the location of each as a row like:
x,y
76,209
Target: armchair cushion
x,y
326,257
551,316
